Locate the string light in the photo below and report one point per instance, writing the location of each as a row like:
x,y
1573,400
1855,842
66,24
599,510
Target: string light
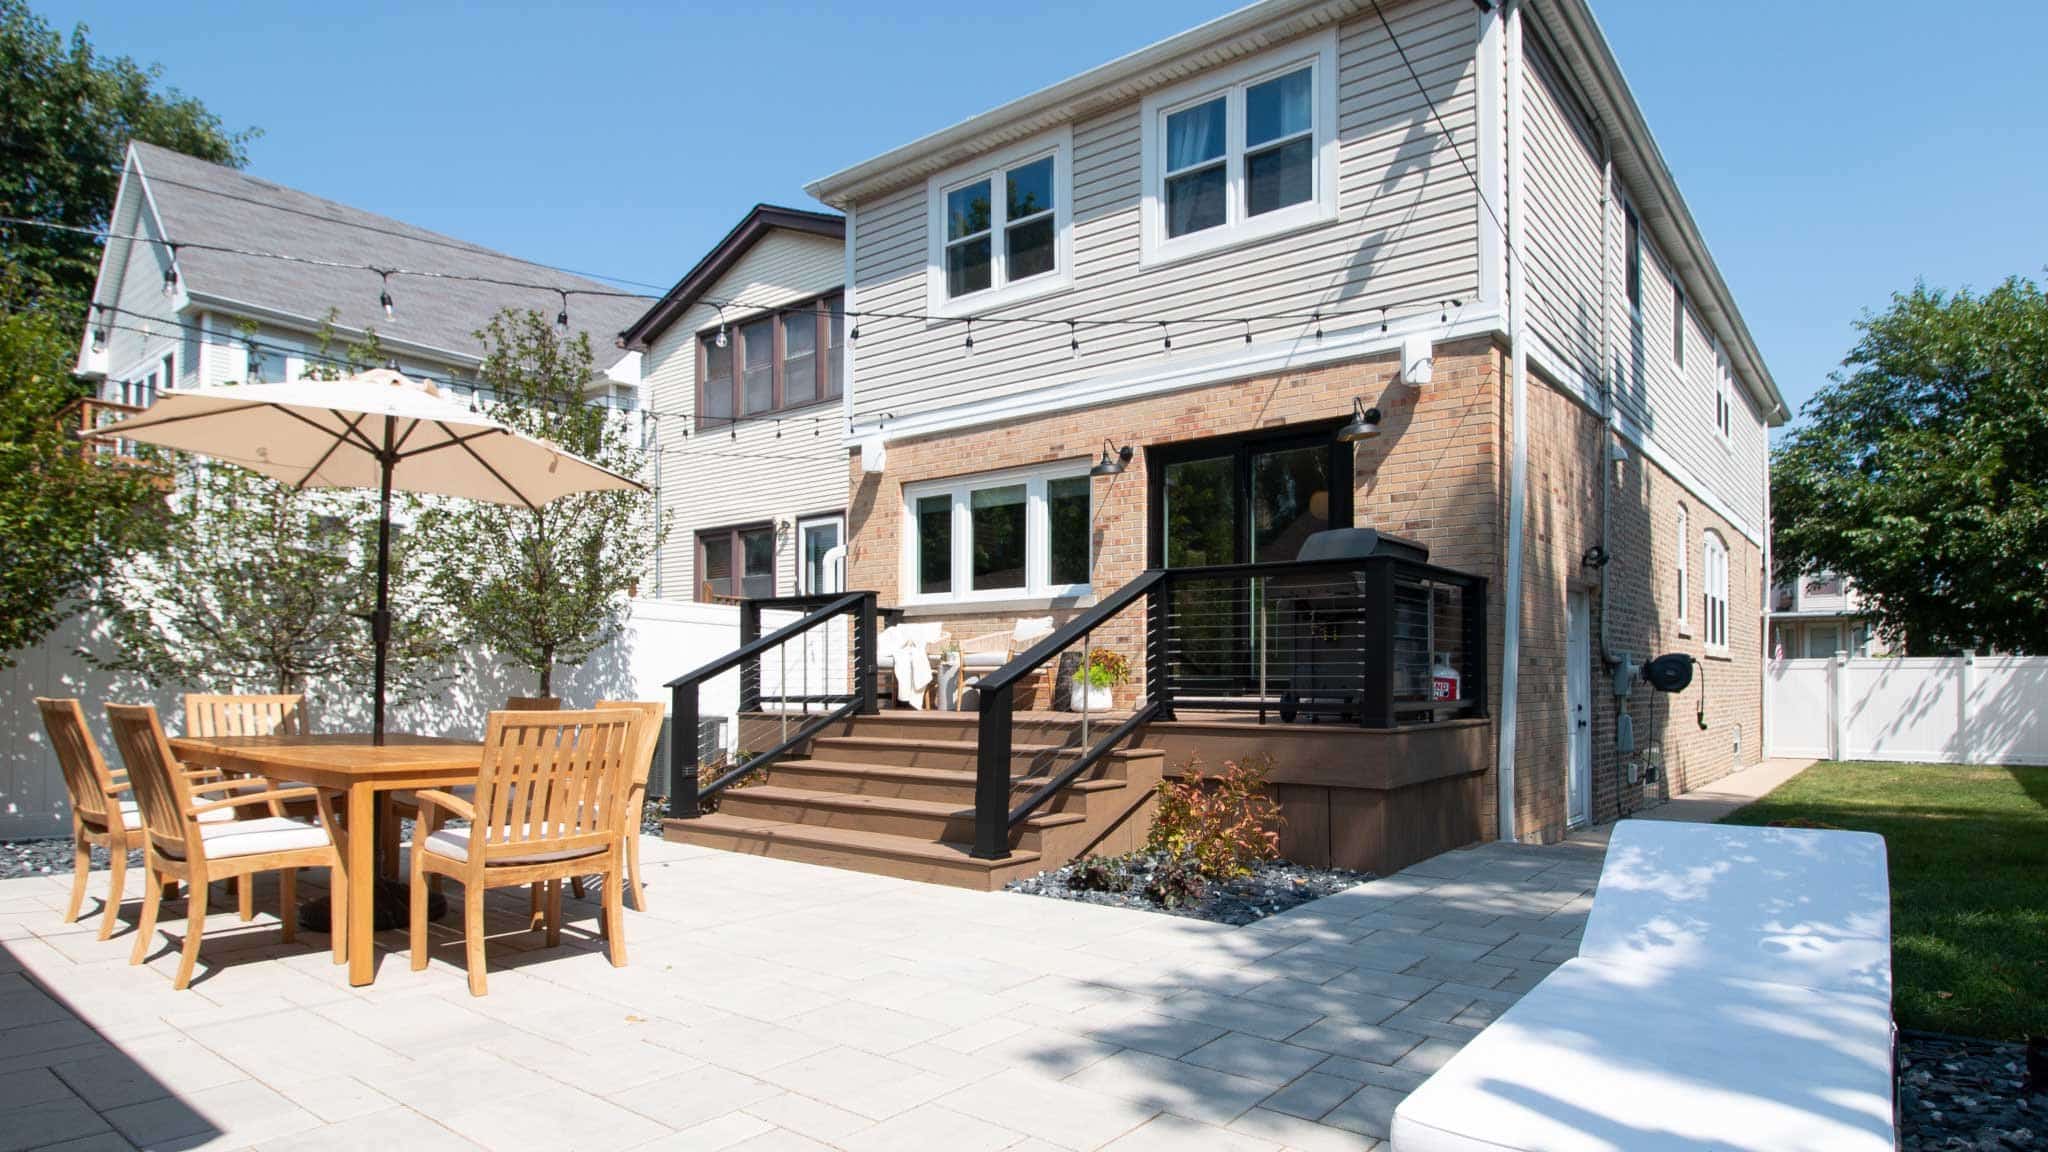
x,y
384,295
1166,336
1247,331
171,272
720,338
562,317
1383,320
1319,326
970,336
1073,340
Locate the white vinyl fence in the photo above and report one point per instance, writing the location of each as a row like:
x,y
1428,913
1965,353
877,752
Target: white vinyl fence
x,y
1953,710
661,640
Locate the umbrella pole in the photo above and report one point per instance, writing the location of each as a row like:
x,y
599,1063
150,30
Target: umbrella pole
x,y
380,620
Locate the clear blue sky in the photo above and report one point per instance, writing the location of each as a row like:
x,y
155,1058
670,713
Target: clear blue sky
x,y
1832,152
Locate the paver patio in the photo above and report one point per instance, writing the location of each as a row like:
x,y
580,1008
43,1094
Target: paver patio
x,y
772,1005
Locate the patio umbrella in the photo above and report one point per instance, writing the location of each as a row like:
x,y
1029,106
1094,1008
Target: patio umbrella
x,y
375,430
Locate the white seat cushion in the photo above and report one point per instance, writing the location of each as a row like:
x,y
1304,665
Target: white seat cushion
x,y
1600,1057
454,844
1787,905
131,815
983,661
267,834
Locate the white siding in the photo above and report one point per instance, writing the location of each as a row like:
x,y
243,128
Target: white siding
x,y
1405,232
761,469
1563,196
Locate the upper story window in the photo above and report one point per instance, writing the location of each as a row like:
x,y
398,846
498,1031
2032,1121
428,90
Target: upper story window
x,y
1684,572
1632,255
1245,152
1677,324
1724,400
1826,584
1024,533
1001,227
786,359
1714,614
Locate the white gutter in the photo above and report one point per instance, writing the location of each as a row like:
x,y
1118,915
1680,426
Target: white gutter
x,y
1518,467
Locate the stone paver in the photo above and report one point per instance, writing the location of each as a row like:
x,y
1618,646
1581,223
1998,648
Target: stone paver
x,y
772,1005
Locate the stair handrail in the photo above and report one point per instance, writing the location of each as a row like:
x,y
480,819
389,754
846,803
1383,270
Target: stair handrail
x,y
996,703
685,793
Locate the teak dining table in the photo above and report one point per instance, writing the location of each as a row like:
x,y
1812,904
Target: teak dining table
x,y
348,763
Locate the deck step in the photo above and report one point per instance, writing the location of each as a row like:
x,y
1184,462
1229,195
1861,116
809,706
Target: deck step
x,y
860,851
957,755
890,815
946,784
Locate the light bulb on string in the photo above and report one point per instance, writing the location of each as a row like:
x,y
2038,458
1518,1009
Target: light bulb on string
x,y
1247,331
1383,320
384,296
1165,336
970,337
171,273
1073,340
720,338
1318,317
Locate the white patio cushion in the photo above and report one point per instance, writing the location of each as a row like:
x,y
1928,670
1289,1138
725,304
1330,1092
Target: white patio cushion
x,y
1600,1057
454,844
266,834
983,661
1786,905
131,815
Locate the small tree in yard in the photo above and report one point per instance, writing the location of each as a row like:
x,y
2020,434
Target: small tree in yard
x,y
1921,473
544,586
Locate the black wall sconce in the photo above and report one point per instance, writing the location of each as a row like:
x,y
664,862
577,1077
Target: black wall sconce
x,y
1111,464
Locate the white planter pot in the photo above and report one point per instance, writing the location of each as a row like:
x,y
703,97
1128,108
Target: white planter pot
x,y
1089,699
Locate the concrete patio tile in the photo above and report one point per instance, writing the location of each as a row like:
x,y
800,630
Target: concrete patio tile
x,y
860,1082
1369,1111
1402,1080
295,1044
931,1126
981,1034
1344,1004
1149,1031
1169,1133
453,1077
107,1141
1429,1056
1058,1113
712,1135
565,1118
595,1066
1460,971
32,1086
1172,1086
1302,1135
688,1099
1048,1051
396,1128
335,1098
1267,1061
1391,985
236,1115
49,1121
868,1026
807,1117
780,1140
1311,1094
1368,1042
1236,1015
946,1064
739,1044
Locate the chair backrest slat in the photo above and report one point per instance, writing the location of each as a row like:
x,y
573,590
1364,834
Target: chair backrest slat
x,y
641,759
282,714
533,703
159,782
551,781
85,771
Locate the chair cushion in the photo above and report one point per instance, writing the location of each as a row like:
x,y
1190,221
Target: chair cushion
x,y
983,661
131,815
454,844
267,834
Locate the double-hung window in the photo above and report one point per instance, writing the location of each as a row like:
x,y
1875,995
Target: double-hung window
x,y
1001,536
1724,400
1000,227
736,563
1677,325
789,358
1684,572
1246,152
1714,613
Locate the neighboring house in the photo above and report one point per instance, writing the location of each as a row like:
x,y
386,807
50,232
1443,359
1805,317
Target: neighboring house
x,y
743,359
1818,615
167,317
1246,236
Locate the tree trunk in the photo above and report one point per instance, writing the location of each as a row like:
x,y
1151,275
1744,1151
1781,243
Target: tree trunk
x,y
547,670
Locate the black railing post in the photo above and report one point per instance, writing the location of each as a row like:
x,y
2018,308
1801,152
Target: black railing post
x,y
1158,603
1472,677
1376,699
992,774
684,732
750,669
864,669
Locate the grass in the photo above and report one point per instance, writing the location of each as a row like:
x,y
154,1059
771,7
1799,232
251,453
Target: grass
x,y
1968,848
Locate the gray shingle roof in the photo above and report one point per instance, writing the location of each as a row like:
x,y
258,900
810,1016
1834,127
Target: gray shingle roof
x,y
210,204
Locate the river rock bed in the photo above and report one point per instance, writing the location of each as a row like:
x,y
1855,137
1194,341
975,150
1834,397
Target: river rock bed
x,y
1962,1095
46,857
1273,886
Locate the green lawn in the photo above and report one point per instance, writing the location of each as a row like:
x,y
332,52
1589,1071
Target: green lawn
x,y
1969,862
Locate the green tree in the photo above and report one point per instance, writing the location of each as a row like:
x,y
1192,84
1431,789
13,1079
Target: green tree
x,y
64,519
546,586
1921,472
66,115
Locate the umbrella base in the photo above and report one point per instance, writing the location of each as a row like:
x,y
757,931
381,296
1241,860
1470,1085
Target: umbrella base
x,y
394,908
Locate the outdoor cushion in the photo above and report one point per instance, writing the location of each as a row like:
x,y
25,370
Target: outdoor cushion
x,y
267,834
454,844
1787,905
1601,1056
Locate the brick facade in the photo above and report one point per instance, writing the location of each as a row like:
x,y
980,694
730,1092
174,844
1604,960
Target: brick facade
x,y
1437,473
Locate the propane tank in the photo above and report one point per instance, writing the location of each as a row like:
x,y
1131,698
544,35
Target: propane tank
x,y
1443,679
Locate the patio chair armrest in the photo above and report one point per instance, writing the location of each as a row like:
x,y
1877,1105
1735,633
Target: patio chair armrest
x,y
278,796
220,785
434,797
116,788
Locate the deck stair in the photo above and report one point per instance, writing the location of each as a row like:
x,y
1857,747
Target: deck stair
x,y
893,794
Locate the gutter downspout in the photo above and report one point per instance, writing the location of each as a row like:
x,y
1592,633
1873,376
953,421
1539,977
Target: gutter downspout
x,y
1518,466
1605,375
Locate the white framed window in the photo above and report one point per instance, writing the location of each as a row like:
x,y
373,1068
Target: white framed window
x,y
1677,325
1714,605
1724,400
1000,228
1023,533
1683,571
1243,153
1632,260
820,554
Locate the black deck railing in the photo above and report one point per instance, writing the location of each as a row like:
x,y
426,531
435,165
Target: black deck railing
x,y
804,713
1374,641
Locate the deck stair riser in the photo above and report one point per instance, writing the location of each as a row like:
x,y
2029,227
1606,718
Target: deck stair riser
x,y
951,755
929,784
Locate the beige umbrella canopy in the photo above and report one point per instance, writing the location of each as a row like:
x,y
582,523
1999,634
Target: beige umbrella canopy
x,y
376,430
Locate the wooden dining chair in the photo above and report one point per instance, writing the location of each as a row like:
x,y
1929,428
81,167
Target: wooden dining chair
x,y
403,806
652,713
275,714
533,703
549,805
180,842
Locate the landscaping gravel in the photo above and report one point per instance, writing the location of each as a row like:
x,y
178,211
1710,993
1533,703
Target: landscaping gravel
x,y
20,858
1960,1094
1274,886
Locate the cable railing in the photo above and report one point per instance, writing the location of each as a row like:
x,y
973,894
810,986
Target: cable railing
x,y
828,687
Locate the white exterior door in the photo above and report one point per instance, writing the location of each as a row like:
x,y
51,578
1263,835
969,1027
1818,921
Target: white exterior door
x,y
1823,641
820,557
1578,689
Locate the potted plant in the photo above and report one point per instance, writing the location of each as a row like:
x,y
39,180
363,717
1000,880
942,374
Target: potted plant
x,y
1100,672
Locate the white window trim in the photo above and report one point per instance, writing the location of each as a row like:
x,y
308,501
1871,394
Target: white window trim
x,y
1678,324
803,525
1319,50
1724,401
1059,144
1037,539
1714,559
1684,571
